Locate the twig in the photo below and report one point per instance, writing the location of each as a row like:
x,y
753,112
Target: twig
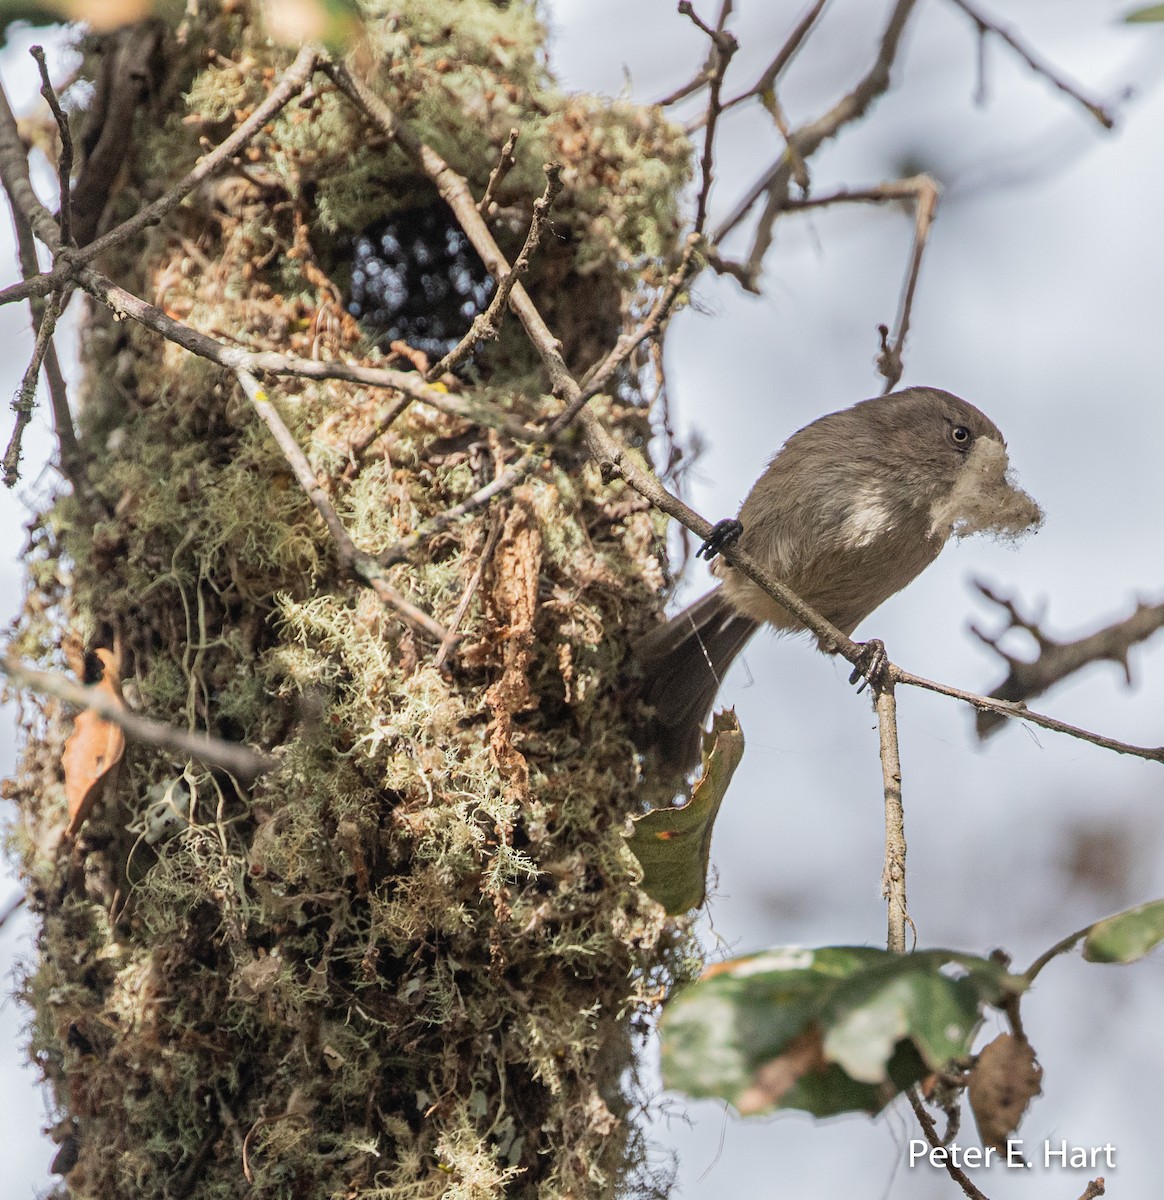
x,y
18,185
893,876
455,193
1063,946
986,25
889,362
25,399
767,81
1093,1190
1020,712
70,451
931,1135
12,908
505,482
243,762
65,159
487,324
774,182
1057,660
290,84
470,590
363,566
724,45
505,164
273,363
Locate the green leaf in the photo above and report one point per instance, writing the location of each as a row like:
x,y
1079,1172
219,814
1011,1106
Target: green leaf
x,y
1141,16
674,844
839,1029
1127,936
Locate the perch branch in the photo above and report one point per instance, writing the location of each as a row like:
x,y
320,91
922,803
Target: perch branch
x,y
893,876
1005,708
1057,660
243,762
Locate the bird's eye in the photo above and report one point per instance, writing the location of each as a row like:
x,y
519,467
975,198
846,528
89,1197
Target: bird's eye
x,y
961,435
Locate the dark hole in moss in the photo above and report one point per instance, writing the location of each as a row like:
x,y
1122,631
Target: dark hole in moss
x,y
416,278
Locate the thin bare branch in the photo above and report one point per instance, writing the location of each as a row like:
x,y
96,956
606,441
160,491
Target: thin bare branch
x,y
290,84
487,324
889,362
1057,660
18,185
505,164
724,45
70,451
272,363
11,908
774,182
784,56
471,587
363,566
987,25
243,762
930,1130
1020,712
505,482
65,159
24,401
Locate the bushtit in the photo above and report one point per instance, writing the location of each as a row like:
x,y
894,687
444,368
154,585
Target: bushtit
x,y
851,509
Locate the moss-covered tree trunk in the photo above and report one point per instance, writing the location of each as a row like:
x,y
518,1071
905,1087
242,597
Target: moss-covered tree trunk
x,y
410,960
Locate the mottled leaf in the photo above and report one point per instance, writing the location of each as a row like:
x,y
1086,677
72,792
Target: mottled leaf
x,y
674,844
839,1029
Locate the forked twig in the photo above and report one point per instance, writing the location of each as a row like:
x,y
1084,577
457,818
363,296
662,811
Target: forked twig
x,y
987,26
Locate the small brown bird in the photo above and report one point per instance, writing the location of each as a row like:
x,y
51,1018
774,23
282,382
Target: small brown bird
x,y
851,509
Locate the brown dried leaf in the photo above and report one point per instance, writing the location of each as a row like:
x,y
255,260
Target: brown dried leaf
x,y
93,749
1005,1079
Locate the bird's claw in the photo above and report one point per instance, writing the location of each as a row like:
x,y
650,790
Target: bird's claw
x,y
871,666
723,534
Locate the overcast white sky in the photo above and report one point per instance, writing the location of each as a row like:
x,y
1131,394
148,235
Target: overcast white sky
x,y
1041,301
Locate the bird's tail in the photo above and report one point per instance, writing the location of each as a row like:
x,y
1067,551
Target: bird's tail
x,y
684,662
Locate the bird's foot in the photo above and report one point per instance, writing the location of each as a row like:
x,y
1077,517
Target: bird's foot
x,y
723,534
871,667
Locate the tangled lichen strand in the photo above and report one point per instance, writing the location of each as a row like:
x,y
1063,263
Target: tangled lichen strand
x,y
409,962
